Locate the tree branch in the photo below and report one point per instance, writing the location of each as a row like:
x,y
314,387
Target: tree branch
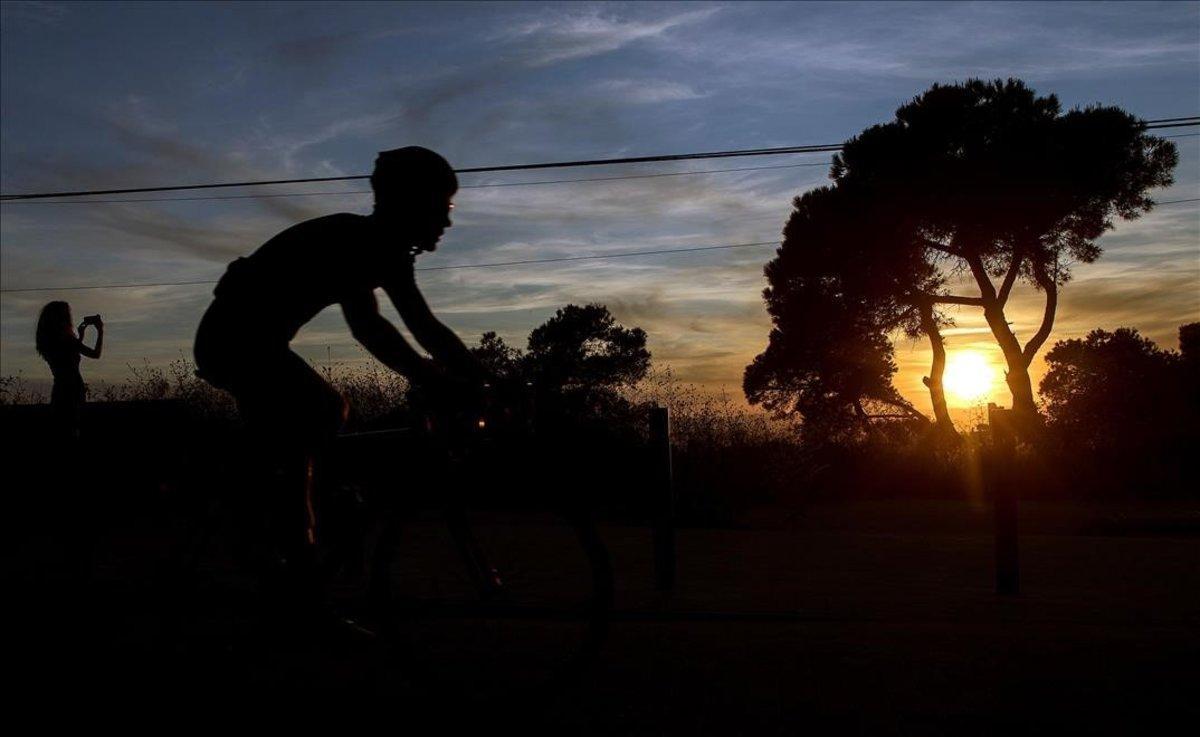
x,y
909,410
987,290
1011,277
934,245
1050,286
951,299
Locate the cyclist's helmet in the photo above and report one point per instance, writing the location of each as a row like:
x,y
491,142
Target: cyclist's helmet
x,y
412,171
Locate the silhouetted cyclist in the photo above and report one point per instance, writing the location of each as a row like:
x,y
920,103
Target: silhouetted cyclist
x,y
264,299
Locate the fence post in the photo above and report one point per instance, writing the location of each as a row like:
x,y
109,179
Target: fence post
x,y
662,499
1004,497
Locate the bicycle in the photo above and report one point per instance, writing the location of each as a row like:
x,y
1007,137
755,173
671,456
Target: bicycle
x,y
467,584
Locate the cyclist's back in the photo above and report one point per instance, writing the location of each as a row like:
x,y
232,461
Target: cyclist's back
x,y
300,272
264,299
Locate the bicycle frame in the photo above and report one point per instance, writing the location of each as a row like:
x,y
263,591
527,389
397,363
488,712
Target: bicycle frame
x,y
484,576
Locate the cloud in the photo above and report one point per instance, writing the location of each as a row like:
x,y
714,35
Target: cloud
x,y
891,50
702,205
648,91
580,35
501,108
156,230
1155,303
288,147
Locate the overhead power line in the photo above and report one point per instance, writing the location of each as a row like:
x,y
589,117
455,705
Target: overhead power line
x,y
814,148
1186,118
1195,121
473,170
593,257
367,191
467,186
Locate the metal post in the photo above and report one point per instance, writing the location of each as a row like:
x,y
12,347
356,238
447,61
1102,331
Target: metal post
x,y
662,499
1004,497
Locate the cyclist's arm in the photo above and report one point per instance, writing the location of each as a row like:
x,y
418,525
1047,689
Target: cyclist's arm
x,y
438,339
381,337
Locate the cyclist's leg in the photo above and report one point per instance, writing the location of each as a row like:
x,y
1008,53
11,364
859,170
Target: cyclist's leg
x,y
315,412
293,414
290,415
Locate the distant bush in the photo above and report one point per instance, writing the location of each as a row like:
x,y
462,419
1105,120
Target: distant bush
x,y
376,393
176,381
1124,414
16,390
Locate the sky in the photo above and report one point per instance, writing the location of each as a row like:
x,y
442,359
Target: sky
x,y
111,95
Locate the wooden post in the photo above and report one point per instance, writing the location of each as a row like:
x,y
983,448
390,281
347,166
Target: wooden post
x,y
1004,497
662,502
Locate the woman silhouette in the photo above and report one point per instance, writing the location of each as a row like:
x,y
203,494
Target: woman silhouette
x,y
61,346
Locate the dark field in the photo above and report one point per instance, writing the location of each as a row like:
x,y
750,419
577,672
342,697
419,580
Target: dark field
x,y
872,618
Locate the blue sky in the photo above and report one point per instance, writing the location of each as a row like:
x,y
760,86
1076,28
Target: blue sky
x,y
143,94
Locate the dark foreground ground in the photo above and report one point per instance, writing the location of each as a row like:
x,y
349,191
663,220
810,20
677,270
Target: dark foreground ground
x,y
863,619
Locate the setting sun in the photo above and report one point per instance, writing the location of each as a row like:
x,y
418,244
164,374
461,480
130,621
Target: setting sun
x,y
969,377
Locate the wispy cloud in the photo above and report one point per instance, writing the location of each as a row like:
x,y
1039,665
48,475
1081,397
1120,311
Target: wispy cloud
x,y
648,91
556,38
850,49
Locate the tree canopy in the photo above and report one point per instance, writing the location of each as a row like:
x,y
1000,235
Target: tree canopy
x,y
585,347
577,361
974,187
829,358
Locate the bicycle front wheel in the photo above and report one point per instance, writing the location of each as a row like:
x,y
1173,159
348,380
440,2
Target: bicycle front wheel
x,y
492,600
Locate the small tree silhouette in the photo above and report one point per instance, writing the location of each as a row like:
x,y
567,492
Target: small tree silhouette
x,y
1118,390
578,361
498,358
585,347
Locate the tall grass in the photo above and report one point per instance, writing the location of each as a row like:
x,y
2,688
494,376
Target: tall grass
x,y
375,392
372,390
728,457
15,389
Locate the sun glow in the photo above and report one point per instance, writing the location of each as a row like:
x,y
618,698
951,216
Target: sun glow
x,y
968,377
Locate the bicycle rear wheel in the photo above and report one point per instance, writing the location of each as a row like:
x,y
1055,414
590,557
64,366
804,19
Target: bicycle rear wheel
x,y
492,600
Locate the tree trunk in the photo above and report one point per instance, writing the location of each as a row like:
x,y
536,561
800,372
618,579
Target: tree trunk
x,y
1017,376
937,391
1049,285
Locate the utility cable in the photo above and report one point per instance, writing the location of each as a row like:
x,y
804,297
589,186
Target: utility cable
x,y
814,148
